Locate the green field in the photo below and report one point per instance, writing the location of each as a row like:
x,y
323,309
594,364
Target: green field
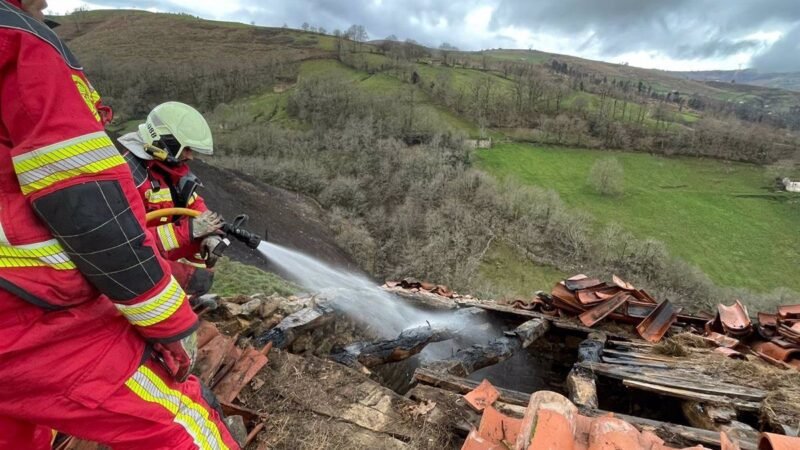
x,y
720,216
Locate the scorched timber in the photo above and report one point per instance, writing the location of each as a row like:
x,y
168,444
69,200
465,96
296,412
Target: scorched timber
x,y
476,357
409,343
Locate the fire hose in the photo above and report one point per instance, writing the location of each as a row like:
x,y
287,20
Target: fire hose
x,y
234,229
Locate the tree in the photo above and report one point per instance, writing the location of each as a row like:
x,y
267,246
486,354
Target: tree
x,y
607,177
322,30
392,37
357,33
305,26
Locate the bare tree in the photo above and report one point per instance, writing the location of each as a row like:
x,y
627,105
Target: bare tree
x,y
607,177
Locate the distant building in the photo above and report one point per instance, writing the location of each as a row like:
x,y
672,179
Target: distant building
x,y
791,186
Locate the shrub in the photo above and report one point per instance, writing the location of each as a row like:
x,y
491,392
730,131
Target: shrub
x,y
607,177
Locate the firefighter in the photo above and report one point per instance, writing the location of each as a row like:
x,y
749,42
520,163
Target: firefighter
x,y
158,155
96,336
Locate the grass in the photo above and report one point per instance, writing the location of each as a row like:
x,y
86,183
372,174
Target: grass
x,y
234,278
718,215
508,275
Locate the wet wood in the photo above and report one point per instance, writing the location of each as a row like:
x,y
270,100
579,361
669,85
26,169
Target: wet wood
x,y
530,331
709,417
462,386
693,395
678,378
372,354
637,356
476,357
555,322
293,325
669,431
423,298
582,388
450,408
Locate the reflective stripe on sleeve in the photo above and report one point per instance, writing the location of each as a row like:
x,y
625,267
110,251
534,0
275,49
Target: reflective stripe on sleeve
x,y
167,236
87,154
157,308
43,254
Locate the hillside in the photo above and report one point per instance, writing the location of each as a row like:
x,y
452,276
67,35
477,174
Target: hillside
x,y
789,81
374,133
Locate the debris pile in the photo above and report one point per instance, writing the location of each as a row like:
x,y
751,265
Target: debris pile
x,y
551,421
594,301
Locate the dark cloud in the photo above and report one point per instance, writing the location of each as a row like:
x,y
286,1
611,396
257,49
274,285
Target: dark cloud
x,y
681,29
782,56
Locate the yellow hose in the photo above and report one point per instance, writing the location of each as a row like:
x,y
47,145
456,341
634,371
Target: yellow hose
x,y
159,213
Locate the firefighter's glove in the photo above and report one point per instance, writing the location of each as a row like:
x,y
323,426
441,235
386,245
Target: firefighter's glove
x,y
206,224
207,250
178,357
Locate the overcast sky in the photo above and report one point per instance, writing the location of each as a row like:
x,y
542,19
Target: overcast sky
x,y
662,34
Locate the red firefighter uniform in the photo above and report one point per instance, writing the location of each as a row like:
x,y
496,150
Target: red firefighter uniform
x,y
83,290
159,185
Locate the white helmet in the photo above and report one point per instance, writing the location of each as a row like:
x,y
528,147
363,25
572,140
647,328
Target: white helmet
x,y
174,126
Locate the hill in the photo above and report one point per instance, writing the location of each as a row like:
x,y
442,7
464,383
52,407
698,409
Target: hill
x,y
789,81
374,133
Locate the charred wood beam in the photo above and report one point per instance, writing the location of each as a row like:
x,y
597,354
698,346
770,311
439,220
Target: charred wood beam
x,y
581,383
293,325
409,343
476,357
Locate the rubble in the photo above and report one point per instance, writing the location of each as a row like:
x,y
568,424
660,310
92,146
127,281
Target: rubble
x,y
604,332
551,421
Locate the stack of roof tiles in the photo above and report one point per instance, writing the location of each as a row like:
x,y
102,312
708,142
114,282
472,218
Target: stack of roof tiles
x,y
552,422
776,338
594,301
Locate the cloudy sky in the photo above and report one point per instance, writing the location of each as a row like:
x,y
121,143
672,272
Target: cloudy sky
x,y
663,34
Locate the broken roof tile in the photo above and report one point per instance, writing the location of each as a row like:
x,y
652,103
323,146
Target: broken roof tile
x,y
597,294
656,325
498,428
734,318
622,283
771,441
601,311
722,340
776,352
789,311
767,320
574,285
552,422
730,353
482,396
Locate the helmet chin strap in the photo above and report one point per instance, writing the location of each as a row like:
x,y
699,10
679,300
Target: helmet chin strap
x,y
159,154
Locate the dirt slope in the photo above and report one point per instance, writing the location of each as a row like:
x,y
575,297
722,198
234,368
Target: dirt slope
x,y
293,220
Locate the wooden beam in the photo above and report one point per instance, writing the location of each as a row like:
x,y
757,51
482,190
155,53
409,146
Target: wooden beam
x,y
372,354
693,395
476,357
678,379
556,322
462,386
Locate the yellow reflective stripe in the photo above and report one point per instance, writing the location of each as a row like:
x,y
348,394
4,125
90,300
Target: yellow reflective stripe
x,y
157,308
167,236
41,168
159,196
191,199
194,418
42,254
